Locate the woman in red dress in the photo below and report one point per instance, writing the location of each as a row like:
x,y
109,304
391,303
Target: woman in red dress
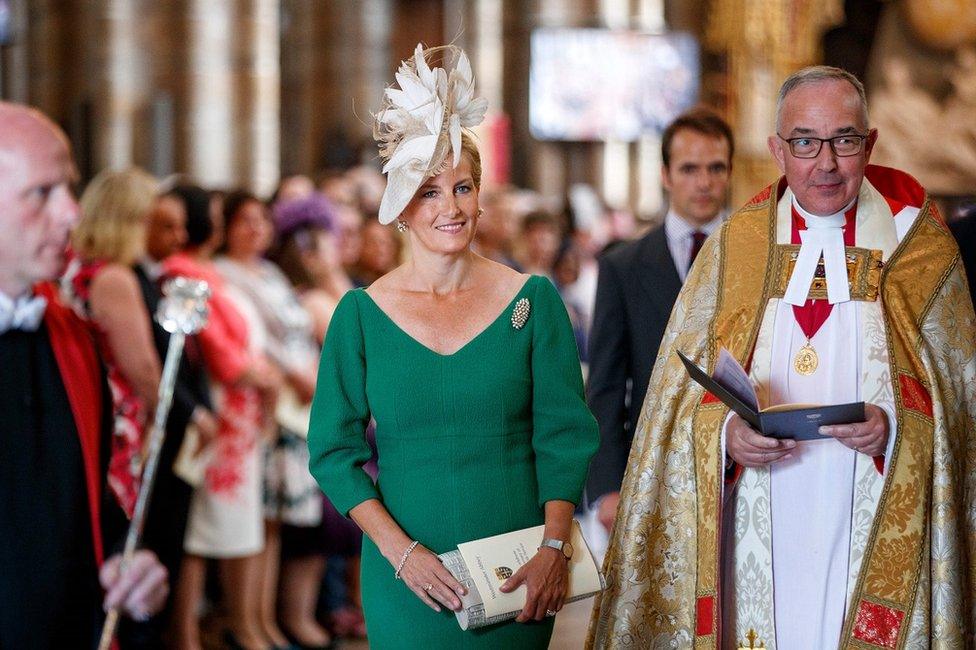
x,y
103,290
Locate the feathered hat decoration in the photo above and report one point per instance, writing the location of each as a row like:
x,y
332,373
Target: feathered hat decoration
x,y
419,125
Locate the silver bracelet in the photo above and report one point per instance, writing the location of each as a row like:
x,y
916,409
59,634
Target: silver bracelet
x,y
403,560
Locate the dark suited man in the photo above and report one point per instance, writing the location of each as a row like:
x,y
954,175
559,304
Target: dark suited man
x,y
166,519
637,286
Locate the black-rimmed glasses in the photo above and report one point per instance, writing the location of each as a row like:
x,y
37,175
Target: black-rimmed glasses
x,y
842,145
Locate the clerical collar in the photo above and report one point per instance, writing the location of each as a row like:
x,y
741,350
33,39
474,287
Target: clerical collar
x,y
816,221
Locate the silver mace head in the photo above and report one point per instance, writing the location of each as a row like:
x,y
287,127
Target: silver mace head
x,y
184,306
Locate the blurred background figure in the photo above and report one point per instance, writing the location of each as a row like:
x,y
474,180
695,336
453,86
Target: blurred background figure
x,y
226,511
308,253
103,289
498,228
541,234
291,498
191,406
380,253
291,188
349,225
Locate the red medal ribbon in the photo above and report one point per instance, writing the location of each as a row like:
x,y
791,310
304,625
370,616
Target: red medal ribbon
x,y
814,313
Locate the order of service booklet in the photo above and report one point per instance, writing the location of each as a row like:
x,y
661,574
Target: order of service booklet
x,y
484,564
731,384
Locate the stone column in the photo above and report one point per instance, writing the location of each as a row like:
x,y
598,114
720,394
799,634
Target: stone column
x,y
649,197
298,109
209,109
14,73
257,98
44,37
117,75
350,65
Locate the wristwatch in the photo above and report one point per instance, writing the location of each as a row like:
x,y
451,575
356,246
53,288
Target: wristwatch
x,y
563,547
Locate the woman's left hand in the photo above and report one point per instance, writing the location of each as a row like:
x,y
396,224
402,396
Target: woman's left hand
x,y
546,578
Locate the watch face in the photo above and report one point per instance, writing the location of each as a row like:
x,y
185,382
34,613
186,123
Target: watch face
x,y
568,550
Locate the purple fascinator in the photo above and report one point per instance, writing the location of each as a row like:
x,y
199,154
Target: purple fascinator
x,y
312,211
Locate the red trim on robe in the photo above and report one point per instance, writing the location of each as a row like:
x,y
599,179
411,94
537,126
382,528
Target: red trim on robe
x,y
78,362
896,184
914,396
894,205
761,197
898,187
877,624
705,612
709,398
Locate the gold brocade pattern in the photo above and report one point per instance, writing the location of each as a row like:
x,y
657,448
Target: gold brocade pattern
x,y
664,552
863,271
893,561
655,539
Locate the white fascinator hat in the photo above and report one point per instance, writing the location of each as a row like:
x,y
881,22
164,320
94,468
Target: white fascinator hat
x,y
418,128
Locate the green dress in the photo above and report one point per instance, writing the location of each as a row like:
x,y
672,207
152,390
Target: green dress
x,y
470,444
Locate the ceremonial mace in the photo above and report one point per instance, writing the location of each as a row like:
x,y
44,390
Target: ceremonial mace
x,y
182,312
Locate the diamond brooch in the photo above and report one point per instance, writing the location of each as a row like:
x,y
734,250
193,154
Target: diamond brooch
x,y
521,313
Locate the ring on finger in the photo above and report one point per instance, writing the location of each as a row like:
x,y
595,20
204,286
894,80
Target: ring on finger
x,y
550,612
428,587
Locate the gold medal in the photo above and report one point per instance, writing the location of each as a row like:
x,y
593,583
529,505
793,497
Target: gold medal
x,y
806,360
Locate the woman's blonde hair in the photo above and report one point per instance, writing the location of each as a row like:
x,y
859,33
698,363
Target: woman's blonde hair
x,y
469,147
114,210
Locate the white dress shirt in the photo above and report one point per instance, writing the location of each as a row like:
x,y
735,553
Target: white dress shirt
x,y
679,234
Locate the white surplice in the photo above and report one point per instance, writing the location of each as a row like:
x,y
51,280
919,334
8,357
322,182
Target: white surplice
x,y
811,494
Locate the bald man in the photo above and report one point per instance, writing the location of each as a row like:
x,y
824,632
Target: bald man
x,y
55,516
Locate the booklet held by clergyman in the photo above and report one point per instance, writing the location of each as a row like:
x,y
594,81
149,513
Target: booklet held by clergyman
x,y
731,384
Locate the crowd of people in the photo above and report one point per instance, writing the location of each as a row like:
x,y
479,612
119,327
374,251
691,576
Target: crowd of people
x,y
435,334
251,547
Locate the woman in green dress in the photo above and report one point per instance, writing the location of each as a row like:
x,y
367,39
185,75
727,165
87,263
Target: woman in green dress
x,y
472,375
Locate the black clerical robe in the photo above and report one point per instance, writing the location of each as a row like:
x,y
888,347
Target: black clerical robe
x,y
52,422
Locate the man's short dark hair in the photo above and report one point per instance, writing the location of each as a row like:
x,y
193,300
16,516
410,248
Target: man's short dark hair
x,y
701,120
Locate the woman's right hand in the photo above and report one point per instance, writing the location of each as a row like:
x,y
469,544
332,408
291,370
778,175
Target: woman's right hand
x,y
427,577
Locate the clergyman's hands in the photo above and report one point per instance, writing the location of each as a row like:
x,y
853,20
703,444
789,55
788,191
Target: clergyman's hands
x,y
141,590
431,581
749,448
869,437
546,578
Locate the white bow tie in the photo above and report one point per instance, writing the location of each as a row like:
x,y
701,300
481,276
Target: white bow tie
x,y
824,237
24,313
